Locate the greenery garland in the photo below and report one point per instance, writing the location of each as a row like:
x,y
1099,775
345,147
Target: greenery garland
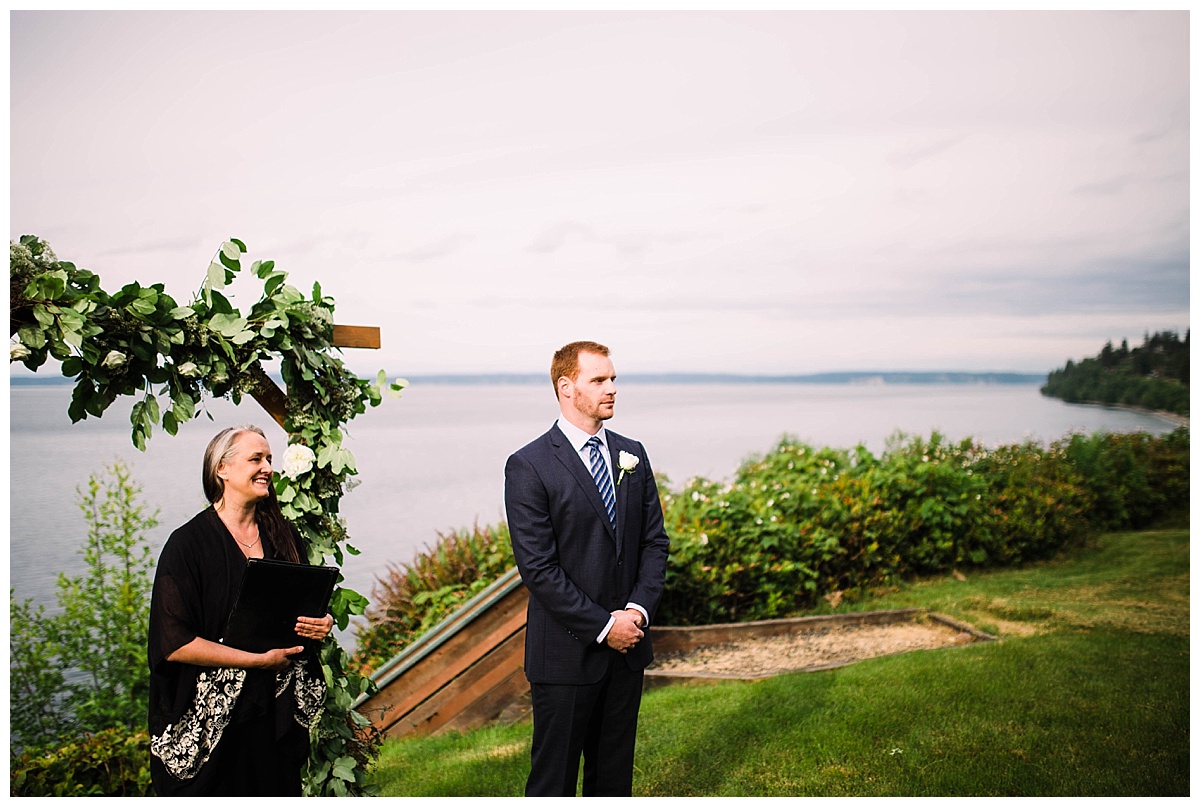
x,y
140,342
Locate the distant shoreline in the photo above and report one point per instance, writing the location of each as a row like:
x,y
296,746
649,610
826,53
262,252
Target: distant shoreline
x,y
848,378
1162,414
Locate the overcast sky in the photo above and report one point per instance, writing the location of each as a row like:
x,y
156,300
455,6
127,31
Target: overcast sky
x,y
766,192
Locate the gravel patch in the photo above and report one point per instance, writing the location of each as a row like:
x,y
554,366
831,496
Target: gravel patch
x,y
821,647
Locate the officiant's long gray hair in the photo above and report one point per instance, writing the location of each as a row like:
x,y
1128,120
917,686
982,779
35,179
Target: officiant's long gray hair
x,y
271,523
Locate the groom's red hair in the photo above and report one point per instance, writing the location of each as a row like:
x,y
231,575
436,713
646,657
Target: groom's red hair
x,y
566,360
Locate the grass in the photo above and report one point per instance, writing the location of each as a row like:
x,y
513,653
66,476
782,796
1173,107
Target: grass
x,y
1087,695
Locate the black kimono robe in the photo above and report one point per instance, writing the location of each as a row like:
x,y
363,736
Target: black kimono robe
x,y
220,730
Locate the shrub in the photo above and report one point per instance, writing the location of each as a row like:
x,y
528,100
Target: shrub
x,y
1134,477
112,762
98,637
799,524
412,598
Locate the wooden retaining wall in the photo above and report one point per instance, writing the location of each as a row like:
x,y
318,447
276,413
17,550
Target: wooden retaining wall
x,y
462,673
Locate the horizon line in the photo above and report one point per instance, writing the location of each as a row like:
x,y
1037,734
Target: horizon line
x,y
833,377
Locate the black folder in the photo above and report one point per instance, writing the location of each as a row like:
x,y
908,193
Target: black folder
x,y
272,595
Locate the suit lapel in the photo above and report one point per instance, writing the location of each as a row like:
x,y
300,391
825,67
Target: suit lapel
x,y
565,453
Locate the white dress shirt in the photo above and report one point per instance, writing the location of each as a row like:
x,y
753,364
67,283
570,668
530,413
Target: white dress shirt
x,y
578,439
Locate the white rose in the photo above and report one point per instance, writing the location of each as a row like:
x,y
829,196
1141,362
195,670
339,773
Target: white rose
x,y
297,459
189,369
17,351
114,359
626,462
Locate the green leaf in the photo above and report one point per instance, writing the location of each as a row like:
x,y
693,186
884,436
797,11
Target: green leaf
x,y
183,406
43,316
273,282
31,337
344,768
228,325
79,399
220,304
232,250
216,276
142,306
183,312
239,244
47,286
73,338
72,367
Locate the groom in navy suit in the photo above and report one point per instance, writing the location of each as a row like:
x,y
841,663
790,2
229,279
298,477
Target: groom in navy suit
x,y
587,533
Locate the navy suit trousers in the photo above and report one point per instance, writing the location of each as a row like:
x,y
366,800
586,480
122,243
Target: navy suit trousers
x,y
596,720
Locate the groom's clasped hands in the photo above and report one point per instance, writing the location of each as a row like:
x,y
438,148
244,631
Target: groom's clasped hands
x,y
626,630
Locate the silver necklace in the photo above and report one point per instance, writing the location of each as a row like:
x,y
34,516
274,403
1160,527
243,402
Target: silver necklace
x,y
250,545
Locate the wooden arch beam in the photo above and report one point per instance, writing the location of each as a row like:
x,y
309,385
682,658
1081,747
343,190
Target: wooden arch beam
x,y
274,400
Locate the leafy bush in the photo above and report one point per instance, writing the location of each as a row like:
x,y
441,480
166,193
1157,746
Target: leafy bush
x,y
799,524
411,599
112,762
1134,477
84,669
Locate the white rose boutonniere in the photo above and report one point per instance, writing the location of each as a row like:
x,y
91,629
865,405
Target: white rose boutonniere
x,y
627,463
297,459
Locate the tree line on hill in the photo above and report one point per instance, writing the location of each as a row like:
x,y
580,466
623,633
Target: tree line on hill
x,y
1154,376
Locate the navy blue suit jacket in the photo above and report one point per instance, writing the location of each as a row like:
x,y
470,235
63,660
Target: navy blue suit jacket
x,y
577,567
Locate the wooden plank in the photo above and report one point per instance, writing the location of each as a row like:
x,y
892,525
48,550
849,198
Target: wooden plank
x,y
469,689
417,684
268,394
439,634
364,336
464,690
440,669
408,692
489,706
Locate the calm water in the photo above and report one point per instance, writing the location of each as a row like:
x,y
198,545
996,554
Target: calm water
x,y
434,461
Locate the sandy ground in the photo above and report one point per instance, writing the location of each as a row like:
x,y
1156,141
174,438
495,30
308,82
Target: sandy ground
x,y
816,648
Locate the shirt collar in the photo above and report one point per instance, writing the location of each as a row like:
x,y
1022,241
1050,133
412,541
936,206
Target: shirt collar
x,y
578,437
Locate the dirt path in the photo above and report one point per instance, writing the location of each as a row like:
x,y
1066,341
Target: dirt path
x,y
815,648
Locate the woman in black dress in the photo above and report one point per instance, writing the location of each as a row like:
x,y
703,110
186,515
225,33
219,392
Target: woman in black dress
x,y
225,721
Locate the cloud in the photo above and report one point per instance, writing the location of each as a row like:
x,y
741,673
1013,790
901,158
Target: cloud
x,y
749,180
562,235
181,243
435,249
912,157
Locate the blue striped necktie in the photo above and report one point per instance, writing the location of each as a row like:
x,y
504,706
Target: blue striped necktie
x,y
602,479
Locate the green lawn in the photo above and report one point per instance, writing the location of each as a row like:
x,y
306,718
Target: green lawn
x,y
1087,695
